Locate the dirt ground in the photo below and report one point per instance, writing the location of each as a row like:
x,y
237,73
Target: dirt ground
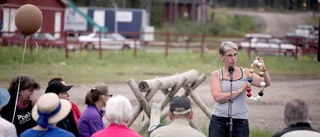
x,y
266,113
277,24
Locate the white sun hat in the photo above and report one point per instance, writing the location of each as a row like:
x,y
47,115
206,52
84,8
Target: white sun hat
x,y
50,109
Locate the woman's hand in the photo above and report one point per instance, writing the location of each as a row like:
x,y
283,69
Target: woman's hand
x,y
263,67
33,98
244,87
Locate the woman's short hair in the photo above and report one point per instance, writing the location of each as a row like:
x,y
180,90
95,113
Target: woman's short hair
x,y
57,79
227,45
96,92
25,81
296,111
118,110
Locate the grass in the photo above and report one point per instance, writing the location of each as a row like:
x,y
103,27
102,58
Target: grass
x,y
117,67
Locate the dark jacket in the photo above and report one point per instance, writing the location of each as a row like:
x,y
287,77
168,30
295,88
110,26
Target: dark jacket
x,y
22,118
69,124
304,129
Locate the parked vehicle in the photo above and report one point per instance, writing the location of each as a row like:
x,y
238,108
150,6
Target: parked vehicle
x,y
305,30
308,43
108,41
42,39
267,44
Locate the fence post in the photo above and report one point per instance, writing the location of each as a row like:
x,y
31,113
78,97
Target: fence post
x,y
167,45
100,47
296,55
135,45
249,48
66,44
202,45
279,49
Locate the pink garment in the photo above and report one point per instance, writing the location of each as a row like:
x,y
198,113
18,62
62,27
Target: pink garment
x,y
76,112
22,107
114,130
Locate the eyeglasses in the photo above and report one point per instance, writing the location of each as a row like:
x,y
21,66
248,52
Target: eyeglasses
x,y
109,95
235,55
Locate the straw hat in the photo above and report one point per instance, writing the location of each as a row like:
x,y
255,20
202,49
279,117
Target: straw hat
x,y
48,104
4,97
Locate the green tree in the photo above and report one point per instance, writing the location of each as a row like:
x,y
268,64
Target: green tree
x,y
156,13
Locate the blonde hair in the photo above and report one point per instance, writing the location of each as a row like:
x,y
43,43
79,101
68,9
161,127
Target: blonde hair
x,y
227,45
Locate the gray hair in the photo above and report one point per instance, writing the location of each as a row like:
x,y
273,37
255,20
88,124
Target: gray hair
x,y
296,111
118,110
227,45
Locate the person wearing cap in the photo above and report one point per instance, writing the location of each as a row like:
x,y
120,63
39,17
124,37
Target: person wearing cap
x,y
68,122
180,113
90,121
7,129
118,113
74,108
18,110
298,120
47,112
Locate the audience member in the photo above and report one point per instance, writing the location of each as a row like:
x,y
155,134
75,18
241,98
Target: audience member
x,y
118,112
18,110
91,119
180,113
48,111
297,118
67,123
7,129
74,108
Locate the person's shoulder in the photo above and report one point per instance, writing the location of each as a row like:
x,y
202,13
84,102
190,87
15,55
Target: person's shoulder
x,y
215,73
300,133
7,108
27,133
8,126
158,130
63,133
132,133
195,133
90,111
74,105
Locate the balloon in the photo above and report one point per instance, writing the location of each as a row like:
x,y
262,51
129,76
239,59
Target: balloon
x,y
28,19
3,1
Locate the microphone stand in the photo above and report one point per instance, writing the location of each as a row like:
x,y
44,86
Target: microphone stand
x,y
230,105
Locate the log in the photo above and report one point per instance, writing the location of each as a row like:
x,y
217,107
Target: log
x,y
169,81
134,87
155,114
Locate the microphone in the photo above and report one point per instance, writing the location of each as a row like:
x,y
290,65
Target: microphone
x,y
231,69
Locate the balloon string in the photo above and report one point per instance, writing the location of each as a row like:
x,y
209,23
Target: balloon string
x,y
24,51
18,90
36,43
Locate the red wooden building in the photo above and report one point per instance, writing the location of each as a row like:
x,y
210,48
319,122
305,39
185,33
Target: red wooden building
x,y
52,11
193,10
